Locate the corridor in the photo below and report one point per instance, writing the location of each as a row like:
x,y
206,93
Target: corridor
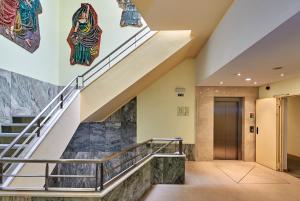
x,y
229,181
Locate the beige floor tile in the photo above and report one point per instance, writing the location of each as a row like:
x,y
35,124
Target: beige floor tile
x,y
215,181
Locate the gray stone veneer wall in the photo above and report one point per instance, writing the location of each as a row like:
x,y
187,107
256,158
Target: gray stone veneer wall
x,y
23,96
96,140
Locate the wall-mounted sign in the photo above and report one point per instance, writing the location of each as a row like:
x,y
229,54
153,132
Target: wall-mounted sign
x,y
130,15
85,36
180,91
19,22
183,111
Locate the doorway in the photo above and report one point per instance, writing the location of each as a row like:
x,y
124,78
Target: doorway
x,y
291,135
227,128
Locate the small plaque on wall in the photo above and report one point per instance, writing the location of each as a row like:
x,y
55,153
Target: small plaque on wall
x,y
183,111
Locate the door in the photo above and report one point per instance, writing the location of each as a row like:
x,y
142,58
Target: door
x,y
266,132
227,128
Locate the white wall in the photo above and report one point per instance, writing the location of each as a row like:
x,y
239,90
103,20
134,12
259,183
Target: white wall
x,y
157,106
50,62
293,127
43,63
246,22
289,86
109,15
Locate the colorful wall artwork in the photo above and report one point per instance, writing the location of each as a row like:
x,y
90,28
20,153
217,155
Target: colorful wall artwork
x,y
85,36
130,15
19,22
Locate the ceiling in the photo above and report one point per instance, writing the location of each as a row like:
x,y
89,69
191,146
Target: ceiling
x,y
199,16
280,48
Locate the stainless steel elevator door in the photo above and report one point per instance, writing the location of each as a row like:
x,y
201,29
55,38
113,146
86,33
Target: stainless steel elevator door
x,y
226,129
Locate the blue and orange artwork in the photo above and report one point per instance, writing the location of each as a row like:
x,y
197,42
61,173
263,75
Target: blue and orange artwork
x,y
19,22
130,15
85,36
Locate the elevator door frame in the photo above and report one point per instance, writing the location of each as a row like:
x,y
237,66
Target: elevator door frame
x,y
239,101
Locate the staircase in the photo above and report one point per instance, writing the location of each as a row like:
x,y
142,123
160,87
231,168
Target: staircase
x,y
10,131
92,96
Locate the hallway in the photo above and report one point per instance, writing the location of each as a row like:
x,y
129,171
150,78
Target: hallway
x,y
229,181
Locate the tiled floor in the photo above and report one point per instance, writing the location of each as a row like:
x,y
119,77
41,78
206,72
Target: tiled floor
x,y
229,181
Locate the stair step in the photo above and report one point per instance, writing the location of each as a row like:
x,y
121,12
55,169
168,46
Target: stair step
x,y
12,135
3,146
23,119
15,128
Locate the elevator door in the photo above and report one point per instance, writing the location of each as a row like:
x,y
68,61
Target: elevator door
x,y
227,129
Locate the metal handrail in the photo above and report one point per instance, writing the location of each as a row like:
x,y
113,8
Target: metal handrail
x,y
99,185
60,97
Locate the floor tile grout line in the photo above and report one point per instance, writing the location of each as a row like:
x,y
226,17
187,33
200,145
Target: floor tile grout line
x,y
226,174
247,174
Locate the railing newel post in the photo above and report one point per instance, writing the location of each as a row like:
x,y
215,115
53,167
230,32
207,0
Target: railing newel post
x,y
101,176
180,146
61,101
77,85
47,177
96,176
1,172
39,128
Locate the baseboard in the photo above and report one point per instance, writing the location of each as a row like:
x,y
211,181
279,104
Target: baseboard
x,y
294,156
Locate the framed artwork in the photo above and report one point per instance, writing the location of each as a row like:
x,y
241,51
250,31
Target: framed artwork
x,y
130,15
85,36
19,22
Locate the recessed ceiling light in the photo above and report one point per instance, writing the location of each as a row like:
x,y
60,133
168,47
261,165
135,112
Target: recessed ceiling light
x,y
239,74
282,74
221,82
255,83
248,79
277,68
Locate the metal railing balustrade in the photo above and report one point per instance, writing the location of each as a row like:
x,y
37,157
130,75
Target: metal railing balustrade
x,y
22,143
103,175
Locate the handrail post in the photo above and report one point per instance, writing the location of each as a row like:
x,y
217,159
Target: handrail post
x,y
47,177
96,176
62,101
101,176
180,146
1,172
77,86
39,128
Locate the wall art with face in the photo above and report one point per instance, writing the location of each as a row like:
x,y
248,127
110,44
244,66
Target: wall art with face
x,y
130,15
85,36
19,22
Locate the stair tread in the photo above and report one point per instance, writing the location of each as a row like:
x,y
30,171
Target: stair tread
x,y
12,134
16,124
2,146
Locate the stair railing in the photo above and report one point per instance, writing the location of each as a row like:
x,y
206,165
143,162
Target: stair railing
x,y
104,173
61,99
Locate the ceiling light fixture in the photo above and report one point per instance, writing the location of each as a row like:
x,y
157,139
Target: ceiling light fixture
x,y
221,82
282,74
277,68
239,74
248,79
255,83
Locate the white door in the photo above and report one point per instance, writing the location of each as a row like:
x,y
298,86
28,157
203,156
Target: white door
x,y
266,132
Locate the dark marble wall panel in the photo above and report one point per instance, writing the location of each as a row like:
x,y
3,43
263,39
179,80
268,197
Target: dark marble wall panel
x,y
188,150
168,170
23,96
134,187
95,140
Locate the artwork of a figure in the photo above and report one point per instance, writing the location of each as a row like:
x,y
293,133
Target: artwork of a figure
x,y
19,22
85,36
130,15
